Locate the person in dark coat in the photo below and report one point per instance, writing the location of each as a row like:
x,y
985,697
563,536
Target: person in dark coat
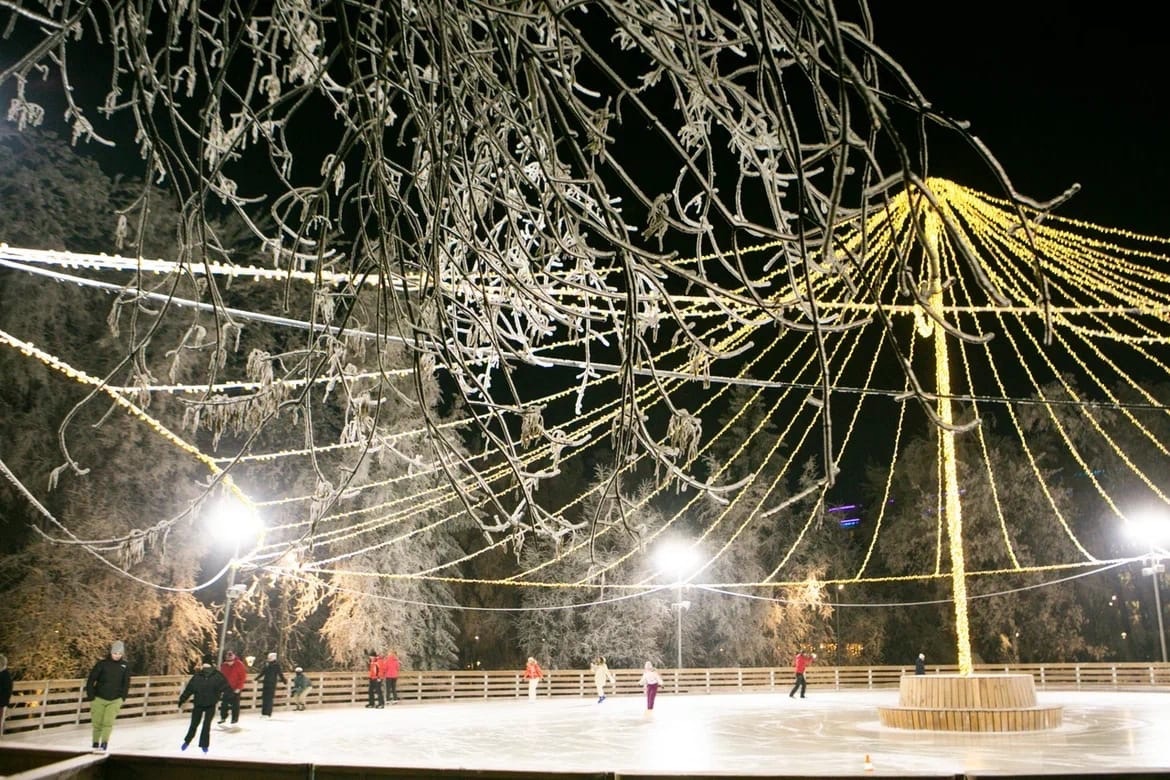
x,y
5,689
106,688
920,664
269,676
206,687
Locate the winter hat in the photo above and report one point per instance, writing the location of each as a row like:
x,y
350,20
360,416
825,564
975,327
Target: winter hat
x,y
118,648
272,656
649,666
208,660
299,669
3,662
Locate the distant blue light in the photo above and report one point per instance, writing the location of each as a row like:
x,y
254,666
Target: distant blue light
x,y
849,522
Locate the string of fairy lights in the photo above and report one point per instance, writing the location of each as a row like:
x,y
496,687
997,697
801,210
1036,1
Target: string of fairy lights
x,y
1108,296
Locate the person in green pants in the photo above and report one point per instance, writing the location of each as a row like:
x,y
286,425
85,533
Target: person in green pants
x,y
106,688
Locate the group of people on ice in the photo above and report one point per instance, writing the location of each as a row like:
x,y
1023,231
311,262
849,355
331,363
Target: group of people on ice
x,y
383,674
108,685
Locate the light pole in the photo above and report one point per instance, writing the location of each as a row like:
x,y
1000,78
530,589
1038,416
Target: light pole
x,y
1154,570
678,557
1150,532
232,521
837,627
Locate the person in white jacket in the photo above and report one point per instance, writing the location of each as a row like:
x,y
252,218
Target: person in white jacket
x,y
601,675
650,681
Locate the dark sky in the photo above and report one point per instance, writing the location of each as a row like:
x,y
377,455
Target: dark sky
x,y
1061,92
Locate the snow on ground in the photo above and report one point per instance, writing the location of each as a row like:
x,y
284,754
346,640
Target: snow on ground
x,y
830,732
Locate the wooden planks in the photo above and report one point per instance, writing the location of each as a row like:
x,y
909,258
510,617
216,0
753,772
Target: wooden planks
x,y
977,702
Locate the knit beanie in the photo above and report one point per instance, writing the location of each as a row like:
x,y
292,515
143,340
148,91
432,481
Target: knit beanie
x,y
118,648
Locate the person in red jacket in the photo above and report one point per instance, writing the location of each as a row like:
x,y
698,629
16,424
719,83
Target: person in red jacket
x,y
235,671
375,687
532,673
390,675
803,660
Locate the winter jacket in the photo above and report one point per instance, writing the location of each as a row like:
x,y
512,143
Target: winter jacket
x,y
532,671
802,662
650,677
109,680
300,683
270,674
390,666
235,672
602,674
375,669
206,685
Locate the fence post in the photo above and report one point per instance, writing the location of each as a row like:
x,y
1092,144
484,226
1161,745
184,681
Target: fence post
x,y
146,698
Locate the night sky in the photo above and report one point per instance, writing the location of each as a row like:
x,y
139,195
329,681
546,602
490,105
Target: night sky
x,y
1061,93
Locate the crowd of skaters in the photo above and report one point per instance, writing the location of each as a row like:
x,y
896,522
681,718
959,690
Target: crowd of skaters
x,y
108,685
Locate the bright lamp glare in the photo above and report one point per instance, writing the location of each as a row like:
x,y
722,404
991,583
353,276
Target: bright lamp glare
x,y
1149,530
677,558
233,521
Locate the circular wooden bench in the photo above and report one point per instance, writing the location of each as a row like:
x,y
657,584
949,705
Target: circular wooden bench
x,y
976,702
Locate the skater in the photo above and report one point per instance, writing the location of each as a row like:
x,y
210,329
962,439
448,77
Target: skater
x,y
803,660
300,689
268,678
206,686
532,673
920,664
5,689
235,671
390,675
374,698
650,681
106,688
601,675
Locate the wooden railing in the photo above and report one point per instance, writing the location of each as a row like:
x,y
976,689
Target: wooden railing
x,y
41,704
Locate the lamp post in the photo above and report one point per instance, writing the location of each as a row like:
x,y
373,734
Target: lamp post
x,y
678,557
1149,532
232,521
837,626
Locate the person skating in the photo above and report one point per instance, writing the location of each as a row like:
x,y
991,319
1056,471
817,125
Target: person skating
x,y
235,671
268,677
601,675
390,675
300,688
533,674
803,660
920,664
650,680
374,698
106,688
205,687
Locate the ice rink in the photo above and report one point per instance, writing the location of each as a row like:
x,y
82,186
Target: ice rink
x,y
760,733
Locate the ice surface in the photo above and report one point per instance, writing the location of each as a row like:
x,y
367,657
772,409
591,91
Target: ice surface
x,y
830,732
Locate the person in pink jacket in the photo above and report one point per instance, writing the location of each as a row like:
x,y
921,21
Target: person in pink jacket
x,y
532,673
390,675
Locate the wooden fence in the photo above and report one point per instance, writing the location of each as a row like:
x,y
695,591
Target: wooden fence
x,y
41,704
